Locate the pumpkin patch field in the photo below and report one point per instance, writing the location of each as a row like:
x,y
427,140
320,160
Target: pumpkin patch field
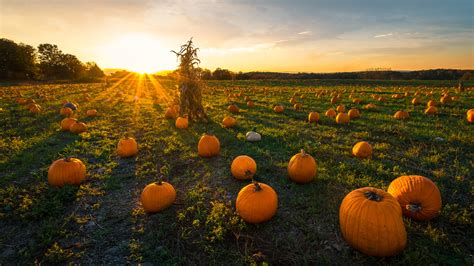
x,y
286,172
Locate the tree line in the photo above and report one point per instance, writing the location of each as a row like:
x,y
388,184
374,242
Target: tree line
x,y
46,62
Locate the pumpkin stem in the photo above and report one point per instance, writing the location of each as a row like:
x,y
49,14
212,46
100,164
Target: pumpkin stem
x,y
372,196
413,207
303,153
257,185
68,158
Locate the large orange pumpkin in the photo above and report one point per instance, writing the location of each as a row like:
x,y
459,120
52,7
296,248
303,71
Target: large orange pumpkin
x,y
233,108
470,116
330,113
302,168
401,115
157,196
127,147
66,123
68,171
229,121
432,110
65,111
78,128
313,117
353,113
371,222
342,118
340,108
256,203
182,122
243,167
418,196
278,109
362,149
209,146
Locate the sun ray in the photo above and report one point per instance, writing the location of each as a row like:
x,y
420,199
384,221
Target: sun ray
x,y
159,90
108,90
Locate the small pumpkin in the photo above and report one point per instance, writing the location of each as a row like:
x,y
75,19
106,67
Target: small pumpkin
x,y
208,146
256,203
313,117
342,118
430,103
401,115
67,171
182,122
253,135
250,103
278,109
170,113
65,111
370,106
157,196
243,167
233,108
340,108
432,110
297,106
78,128
91,113
229,121
353,113
331,113
302,168
470,116
445,99
362,149
416,101
127,147
371,222
418,196
35,109
66,123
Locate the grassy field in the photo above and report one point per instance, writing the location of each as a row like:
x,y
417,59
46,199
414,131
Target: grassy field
x,y
102,221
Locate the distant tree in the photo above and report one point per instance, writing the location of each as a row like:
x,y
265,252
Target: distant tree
x,y
222,74
93,70
50,60
17,61
205,74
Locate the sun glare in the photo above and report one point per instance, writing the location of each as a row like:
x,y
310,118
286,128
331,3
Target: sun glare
x,y
141,53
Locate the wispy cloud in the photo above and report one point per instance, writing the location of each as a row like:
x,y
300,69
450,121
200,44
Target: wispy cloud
x,y
383,35
304,33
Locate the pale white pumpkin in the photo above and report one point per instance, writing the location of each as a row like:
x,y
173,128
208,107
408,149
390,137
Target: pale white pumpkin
x,y
253,136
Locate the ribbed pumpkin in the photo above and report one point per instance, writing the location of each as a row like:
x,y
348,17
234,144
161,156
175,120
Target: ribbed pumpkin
x,y
302,168
78,128
342,118
68,171
182,122
229,121
209,146
371,222
418,196
432,110
330,113
401,115
340,108
157,196
233,108
170,113
313,117
470,116
353,113
127,147
256,203
91,112
362,149
66,123
243,167
278,109
65,111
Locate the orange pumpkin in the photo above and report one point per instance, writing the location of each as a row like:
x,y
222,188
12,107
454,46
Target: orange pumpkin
x,y
78,128
340,108
416,101
401,115
342,118
170,113
470,116
229,121
250,103
278,109
243,167
313,117
371,222
362,149
256,203
35,109
370,106
302,168
445,99
418,196
353,113
209,146
182,122
127,147
68,171
233,108
297,106
91,113
65,111
330,113
430,103
432,110
157,196
66,123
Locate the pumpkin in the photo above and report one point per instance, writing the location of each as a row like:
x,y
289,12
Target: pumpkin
x,y
356,101
70,105
418,196
127,147
170,113
431,103
66,123
67,171
340,108
182,122
470,116
250,103
35,109
78,128
233,108
432,110
353,113
330,113
302,168
297,106
334,100
313,117
371,222
256,203
91,113
445,99
65,111
229,121
243,167
370,106
293,100
362,149
342,118
401,114
278,109
157,196
416,101
208,146
253,136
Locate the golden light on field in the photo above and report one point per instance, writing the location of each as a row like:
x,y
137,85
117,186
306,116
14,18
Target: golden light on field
x,y
138,52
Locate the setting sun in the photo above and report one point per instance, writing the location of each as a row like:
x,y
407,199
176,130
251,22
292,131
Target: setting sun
x,y
138,52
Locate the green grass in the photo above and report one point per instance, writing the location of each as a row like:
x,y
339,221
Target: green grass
x,y
102,221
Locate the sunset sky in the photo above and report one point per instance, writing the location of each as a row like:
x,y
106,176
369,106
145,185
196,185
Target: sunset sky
x,y
245,35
